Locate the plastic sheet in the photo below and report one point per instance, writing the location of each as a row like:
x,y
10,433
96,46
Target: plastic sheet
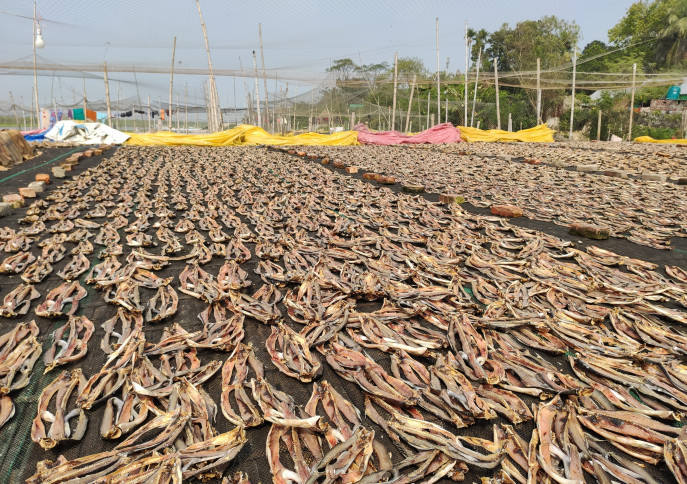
x,y
85,133
649,139
538,134
441,133
243,134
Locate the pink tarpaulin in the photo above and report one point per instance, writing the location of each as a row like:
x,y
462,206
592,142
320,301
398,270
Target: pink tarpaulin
x,y
32,131
441,133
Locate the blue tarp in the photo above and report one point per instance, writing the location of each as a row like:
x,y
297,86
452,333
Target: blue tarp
x,y
36,137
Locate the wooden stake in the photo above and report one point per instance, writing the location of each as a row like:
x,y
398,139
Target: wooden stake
x,y
538,91
119,111
410,102
438,75
474,97
35,75
393,112
496,84
632,101
264,78
186,104
598,127
85,106
467,58
257,90
23,113
214,121
510,122
236,113
150,123
171,84
107,95
178,111
572,103
428,95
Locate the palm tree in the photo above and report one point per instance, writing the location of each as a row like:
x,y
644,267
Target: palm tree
x,y
673,38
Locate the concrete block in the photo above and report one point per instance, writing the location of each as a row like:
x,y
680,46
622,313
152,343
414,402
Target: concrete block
x,y
558,164
412,188
590,231
653,177
587,168
14,199
5,209
38,187
58,172
27,192
504,157
616,173
506,211
447,198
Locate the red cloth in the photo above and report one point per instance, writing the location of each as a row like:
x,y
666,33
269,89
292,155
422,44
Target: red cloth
x,y
441,133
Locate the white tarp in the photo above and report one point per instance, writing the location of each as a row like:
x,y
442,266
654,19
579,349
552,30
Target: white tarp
x,y
85,133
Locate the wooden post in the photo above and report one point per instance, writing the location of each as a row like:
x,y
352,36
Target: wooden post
x,y
352,119
23,113
446,109
35,75
257,90
496,84
85,107
171,84
264,78
432,115
118,108
598,127
438,75
467,58
410,102
474,97
178,111
150,123
16,116
236,113
684,122
214,121
32,96
428,96
510,122
538,91
107,95
393,112
572,102
632,101
186,109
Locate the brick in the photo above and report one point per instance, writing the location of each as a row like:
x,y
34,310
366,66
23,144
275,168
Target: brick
x,y
58,172
587,167
27,192
663,154
412,188
448,198
590,231
506,211
300,153
312,157
532,161
38,187
14,199
616,173
682,181
339,164
291,152
369,176
5,209
88,153
97,152
324,161
67,167
386,180
351,169
653,177
43,177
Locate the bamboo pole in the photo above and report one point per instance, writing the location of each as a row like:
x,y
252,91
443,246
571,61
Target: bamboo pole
x,y
496,84
14,108
178,111
428,94
410,102
598,127
264,78
632,101
186,104
119,111
171,84
35,75
467,58
107,95
393,112
538,91
572,103
236,113
474,97
23,113
214,122
150,117
257,90
85,106
438,75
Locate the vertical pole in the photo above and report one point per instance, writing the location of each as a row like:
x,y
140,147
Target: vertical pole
x,y
32,106
171,84
446,109
264,78
474,98
632,101
214,124
118,108
467,58
598,127
432,119
186,109
23,113
496,84
510,122
178,111
538,91
54,104
257,90
393,114
35,75
107,95
195,96
150,125
684,122
236,113
427,110
85,105
410,102
572,102
14,108
438,74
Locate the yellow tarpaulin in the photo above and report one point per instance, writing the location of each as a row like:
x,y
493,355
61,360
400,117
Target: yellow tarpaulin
x,y
649,139
243,134
538,134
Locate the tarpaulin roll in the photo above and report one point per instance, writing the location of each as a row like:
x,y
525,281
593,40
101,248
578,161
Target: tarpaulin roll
x,y
243,134
441,133
538,134
649,139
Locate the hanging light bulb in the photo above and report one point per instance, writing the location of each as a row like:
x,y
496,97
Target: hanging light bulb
x,y
39,39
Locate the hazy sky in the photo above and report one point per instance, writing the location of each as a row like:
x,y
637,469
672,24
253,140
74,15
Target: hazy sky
x,y
300,39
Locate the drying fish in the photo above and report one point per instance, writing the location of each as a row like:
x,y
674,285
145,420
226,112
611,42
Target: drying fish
x,y
66,294
6,409
231,277
18,243
198,283
234,384
129,322
162,305
60,428
78,265
19,351
72,341
18,300
54,252
37,271
15,264
291,354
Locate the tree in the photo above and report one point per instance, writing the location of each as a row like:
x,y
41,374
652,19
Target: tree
x,y
372,73
343,69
